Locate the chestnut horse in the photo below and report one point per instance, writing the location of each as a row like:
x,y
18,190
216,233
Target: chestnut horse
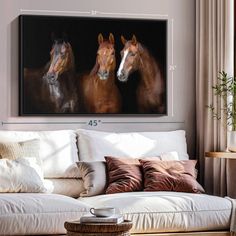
x,y
150,90
100,93
58,81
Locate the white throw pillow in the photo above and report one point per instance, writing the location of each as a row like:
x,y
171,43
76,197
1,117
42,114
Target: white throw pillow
x,y
94,177
94,145
58,150
21,175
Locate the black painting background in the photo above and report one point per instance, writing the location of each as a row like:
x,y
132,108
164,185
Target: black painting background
x,y
82,33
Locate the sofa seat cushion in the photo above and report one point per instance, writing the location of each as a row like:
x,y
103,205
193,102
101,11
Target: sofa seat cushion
x,y
168,211
30,214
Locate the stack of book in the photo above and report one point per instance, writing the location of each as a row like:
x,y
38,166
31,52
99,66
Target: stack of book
x,y
114,219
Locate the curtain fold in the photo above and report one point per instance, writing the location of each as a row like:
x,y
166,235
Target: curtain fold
x,y
214,53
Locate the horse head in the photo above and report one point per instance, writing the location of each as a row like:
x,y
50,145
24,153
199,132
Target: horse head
x,y
61,60
130,58
106,61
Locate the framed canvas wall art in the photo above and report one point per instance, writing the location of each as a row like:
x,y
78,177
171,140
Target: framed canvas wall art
x,y
91,65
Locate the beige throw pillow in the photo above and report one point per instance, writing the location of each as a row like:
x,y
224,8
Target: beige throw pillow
x,y
15,150
94,177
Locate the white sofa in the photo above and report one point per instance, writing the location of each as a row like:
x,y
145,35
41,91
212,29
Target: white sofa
x,y
151,212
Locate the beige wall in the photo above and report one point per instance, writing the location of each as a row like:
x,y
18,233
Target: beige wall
x,y
181,57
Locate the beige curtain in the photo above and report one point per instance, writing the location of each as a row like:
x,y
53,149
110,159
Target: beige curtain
x,y
214,53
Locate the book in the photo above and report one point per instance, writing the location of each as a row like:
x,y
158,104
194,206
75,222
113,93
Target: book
x,y
116,219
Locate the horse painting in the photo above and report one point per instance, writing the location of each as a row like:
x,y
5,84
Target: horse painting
x,y
98,88
51,89
59,80
151,89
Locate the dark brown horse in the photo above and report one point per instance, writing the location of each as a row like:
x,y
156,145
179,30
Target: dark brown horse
x,y
51,89
150,91
59,80
100,93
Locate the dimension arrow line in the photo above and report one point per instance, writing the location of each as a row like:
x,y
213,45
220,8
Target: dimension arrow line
x,y
54,11
143,122
39,123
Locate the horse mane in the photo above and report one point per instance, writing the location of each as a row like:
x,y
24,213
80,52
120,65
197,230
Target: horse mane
x,y
71,57
144,50
146,53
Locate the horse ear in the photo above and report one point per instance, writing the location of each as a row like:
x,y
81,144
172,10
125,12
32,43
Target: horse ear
x,y
123,40
100,39
134,40
111,38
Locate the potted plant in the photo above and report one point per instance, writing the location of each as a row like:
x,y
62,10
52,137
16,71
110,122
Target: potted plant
x,y
225,89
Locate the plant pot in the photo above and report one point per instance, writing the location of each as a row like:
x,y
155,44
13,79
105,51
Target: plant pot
x,y
232,141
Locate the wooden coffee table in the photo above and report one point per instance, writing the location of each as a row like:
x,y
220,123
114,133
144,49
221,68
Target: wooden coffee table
x,y
74,228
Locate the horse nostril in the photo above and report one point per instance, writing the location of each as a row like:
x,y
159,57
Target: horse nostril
x,y
103,73
121,73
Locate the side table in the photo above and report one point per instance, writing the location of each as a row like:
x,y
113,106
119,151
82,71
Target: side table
x,y
75,228
227,155
230,168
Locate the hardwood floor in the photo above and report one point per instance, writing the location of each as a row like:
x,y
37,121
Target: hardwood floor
x,y
210,233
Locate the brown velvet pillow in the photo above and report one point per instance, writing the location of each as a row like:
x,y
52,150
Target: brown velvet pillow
x,y
124,175
179,176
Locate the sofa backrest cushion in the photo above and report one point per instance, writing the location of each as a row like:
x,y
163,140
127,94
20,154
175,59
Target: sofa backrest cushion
x,y
15,150
58,150
95,145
